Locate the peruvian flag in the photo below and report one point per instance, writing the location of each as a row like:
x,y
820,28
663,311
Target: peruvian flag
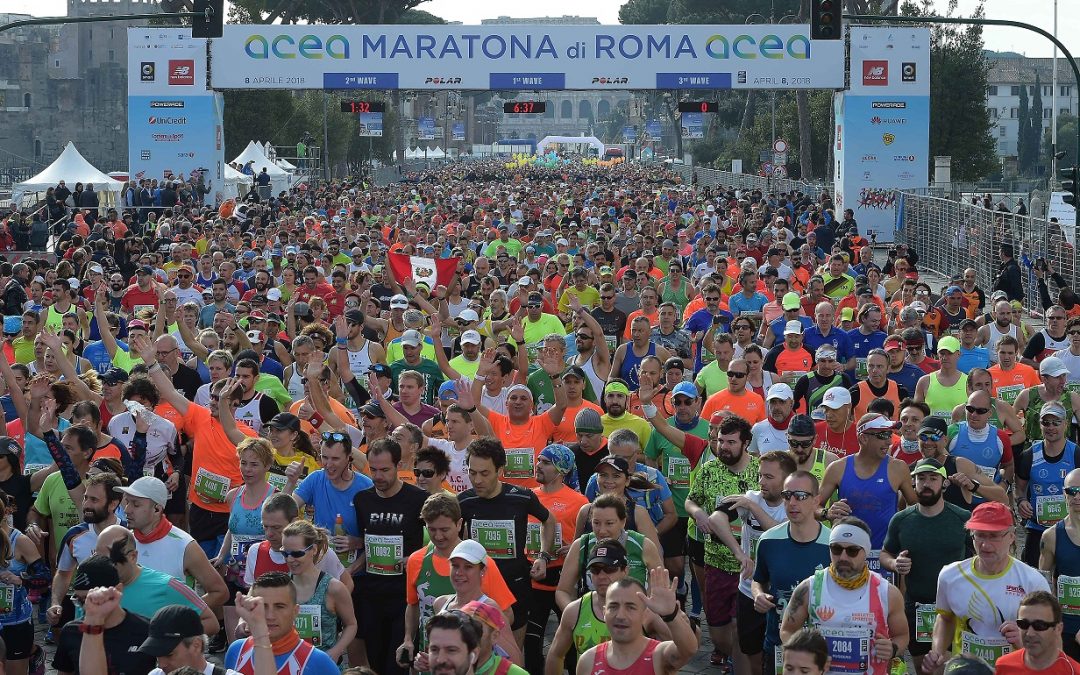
x,y
439,272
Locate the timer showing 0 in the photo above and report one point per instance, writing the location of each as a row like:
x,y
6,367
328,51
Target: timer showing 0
x,y
525,107
355,107
698,107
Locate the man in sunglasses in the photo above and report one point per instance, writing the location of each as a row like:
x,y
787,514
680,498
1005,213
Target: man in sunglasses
x,y
1058,549
978,598
1054,375
787,554
921,540
988,446
1040,620
1040,477
862,602
737,398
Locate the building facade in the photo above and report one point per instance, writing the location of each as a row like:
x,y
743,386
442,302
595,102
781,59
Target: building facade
x,y
1008,73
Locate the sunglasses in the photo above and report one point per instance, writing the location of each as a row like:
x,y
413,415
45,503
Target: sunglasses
x,y
334,436
606,569
975,410
734,374
1051,421
424,473
800,444
296,554
850,551
1072,490
932,438
583,336
880,435
799,495
1038,624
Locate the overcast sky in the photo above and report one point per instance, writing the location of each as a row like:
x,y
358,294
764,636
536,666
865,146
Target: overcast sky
x,y
1039,12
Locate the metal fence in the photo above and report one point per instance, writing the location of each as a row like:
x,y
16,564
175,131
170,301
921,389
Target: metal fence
x,y
951,236
745,181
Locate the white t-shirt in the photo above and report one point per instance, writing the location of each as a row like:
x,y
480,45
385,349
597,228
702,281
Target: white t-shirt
x,y
329,564
208,670
752,530
160,438
458,478
764,437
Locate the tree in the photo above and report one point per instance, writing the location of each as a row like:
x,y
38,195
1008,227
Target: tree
x,y
1035,128
1066,141
1023,132
326,11
959,120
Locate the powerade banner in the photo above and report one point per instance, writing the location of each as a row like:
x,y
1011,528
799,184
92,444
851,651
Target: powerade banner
x,y
175,124
525,57
458,132
370,124
883,125
693,125
652,130
425,129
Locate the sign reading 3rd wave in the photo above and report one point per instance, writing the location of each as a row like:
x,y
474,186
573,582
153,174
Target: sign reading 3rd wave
x,y
525,58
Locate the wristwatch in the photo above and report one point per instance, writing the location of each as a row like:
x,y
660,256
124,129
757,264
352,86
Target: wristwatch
x,y
546,557
976,487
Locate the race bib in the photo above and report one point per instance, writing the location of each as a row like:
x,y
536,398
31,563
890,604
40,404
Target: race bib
x,y
1049,509
990,649
678,471
1072,387
849,650
873,561
309,624
990,472
497,536
1068,593
532,539
7,598
385,554
519,463
277,481
1009,393
210,486
925,617
860,368
30,469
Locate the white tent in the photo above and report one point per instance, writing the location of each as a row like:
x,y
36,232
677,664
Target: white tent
x,y
591,141
279,178
287,165
235,184
437,153
72,168
415,153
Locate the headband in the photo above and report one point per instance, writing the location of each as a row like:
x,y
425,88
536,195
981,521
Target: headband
x,y
847,534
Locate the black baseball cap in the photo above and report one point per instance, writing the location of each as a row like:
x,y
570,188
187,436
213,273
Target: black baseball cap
x,y
608,552
575,371
285,420
170,625
95,571
373,409
617,462
801,425
354,316
934,423
380,370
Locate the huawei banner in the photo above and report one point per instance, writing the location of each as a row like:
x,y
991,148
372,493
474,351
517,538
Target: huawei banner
x,y
175,123
883,125
525,57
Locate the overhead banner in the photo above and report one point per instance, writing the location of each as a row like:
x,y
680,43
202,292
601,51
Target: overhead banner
x,y
883,125
525,57
175,124
693,125
629,134
370,124
458,132
425,129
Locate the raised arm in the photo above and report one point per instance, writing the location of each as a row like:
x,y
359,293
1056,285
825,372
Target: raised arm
x,y
145,349
435,331
100,314
18,398
589,320
553,366
194,346
225,413
67,368
466,399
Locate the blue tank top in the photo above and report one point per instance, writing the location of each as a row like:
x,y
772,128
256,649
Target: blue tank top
x,y
1066,562
873,500
21,609
1045,485
631,364
985,454
247,521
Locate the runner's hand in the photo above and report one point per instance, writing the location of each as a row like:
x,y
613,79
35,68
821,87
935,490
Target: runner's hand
x,y
1024,509
933,661
661,599
100,602
763,602
903,563
882,648
1011,632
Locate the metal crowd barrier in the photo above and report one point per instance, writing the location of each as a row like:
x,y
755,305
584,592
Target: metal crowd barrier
x,y
745,181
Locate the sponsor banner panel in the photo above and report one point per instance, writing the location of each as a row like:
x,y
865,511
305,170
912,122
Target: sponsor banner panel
x,y
169,136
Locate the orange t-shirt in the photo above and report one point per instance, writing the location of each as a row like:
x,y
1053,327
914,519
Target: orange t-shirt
x,y
665,407
1009,383
523,442
747,405
565,504
339,409
492,583
654,320
215,467
565,432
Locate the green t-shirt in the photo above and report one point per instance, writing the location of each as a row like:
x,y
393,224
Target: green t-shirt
x,y
513,247
394,352
714,482
535,331
711,379
124,361
54,502
433,377
933,542
674,464
464,366
24,350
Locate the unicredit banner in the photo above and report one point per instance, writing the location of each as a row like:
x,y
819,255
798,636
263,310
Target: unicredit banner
x,y
525,57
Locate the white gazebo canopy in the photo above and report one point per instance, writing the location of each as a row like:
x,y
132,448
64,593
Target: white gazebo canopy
x,y
72,168
280,179
591,141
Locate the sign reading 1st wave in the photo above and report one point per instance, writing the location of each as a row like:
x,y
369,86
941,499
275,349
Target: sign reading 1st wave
x,y
525,57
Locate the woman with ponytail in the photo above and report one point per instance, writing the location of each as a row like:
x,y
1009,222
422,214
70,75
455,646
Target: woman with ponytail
x,y
23,571
304,545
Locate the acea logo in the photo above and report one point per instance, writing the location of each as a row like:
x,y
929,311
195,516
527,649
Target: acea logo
x,y
749,47
287,47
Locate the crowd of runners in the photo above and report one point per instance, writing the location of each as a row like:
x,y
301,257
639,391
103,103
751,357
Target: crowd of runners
x,y
425,426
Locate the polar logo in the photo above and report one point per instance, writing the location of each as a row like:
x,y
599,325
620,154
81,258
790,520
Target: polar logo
x,y
147,71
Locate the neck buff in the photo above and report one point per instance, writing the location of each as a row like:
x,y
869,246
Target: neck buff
x,y
850,584
155,534
286,643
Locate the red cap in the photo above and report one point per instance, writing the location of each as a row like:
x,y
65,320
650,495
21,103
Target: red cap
x,y
893,343
990,517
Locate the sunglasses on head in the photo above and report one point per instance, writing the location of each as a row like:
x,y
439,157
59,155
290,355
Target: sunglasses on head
x,y
799,495
334,436
850,551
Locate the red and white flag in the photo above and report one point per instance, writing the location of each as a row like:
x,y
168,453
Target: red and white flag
x,y
439,272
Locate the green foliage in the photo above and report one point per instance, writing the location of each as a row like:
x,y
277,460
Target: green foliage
x,y
329,11
1023,132
1066,141
1035,127
959,121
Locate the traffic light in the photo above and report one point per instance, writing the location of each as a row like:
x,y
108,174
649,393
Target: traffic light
x,y
208,25
825,18
1071,185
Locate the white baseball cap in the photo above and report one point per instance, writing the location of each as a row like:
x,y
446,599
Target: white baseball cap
x,y
273,294
836,397
469,315
781,392
470,550
793,328
399,302
470,337
411,338
147,487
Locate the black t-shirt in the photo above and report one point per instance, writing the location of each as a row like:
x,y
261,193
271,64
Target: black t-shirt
x,y
187,381
121,642
382,294
501,525
586,464
392,529
612,323
18,487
